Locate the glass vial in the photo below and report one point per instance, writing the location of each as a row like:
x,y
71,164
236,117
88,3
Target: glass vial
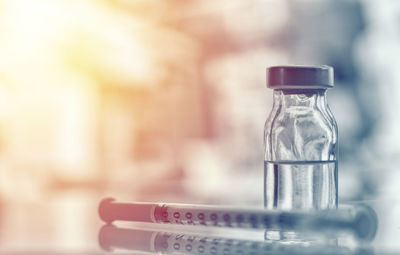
x,y
300,168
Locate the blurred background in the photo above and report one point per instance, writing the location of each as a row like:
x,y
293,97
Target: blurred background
x,y
150,100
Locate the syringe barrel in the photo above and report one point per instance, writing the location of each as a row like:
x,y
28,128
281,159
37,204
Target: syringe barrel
x,y
358,220
218,217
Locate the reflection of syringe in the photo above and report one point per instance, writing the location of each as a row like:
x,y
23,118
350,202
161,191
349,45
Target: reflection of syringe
x,y
111,237
359,220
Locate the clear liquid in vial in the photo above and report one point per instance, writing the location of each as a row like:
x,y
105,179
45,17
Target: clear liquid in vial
x,y
300,185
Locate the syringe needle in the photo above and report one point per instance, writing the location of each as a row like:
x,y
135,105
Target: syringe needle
x,y
359,220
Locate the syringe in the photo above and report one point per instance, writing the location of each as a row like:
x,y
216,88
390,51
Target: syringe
x,y
358,220
111,237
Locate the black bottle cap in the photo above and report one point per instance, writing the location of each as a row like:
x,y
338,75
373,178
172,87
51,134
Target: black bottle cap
x,y
300,77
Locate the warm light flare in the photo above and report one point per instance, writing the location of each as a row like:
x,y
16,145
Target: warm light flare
x,y
56,58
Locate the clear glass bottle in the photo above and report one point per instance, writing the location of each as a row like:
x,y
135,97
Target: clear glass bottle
x,y
300,168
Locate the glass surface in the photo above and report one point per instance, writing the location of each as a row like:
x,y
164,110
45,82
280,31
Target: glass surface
x,y
69,224
300,185
300,170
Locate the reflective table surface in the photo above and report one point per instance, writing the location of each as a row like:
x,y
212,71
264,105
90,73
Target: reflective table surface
x,y
68,223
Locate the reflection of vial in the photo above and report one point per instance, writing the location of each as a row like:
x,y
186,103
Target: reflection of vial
x,y
300,168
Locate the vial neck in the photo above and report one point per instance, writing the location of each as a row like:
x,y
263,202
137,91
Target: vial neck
x,y
300,98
